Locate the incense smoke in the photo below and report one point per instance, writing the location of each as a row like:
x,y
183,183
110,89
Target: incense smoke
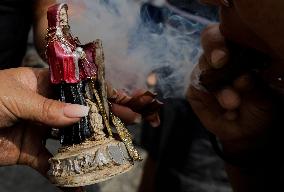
x,y
134,46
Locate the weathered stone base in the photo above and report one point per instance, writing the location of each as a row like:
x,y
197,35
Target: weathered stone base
x,y
89,163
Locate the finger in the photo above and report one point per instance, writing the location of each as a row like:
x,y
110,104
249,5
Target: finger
x,y
32,106
138,92
243,83
142,101
122,97
142,95
229,99
126,114
40,162
218,58
44,87
33,153
204,104
117,96
210,113
36,79
214,46
153,120
27,104
212,79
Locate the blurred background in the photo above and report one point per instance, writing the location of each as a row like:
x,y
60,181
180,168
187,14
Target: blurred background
x,y
154,45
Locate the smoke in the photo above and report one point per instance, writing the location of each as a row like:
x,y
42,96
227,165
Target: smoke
x,y
135,47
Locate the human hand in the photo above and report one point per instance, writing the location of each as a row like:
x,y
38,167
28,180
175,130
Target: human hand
x,y
241,112
132,108
26,113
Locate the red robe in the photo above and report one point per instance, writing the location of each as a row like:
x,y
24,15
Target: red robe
x,y
65,67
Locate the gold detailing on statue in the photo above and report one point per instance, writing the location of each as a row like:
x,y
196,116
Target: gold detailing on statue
x,y
99,59
101,108
103,113
101,155
125,137
89,163
120,127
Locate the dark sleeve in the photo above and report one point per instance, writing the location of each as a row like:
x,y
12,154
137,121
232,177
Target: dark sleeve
x,y
178,125
15,23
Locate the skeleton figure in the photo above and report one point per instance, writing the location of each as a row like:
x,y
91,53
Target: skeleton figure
x,y
77,71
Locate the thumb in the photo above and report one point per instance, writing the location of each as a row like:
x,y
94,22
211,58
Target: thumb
x,y
35,107
214,46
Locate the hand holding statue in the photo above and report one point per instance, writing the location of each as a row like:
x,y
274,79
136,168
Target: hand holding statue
x,y
27,114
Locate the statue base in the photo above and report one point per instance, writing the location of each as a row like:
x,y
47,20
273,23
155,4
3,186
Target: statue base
x,y
89,163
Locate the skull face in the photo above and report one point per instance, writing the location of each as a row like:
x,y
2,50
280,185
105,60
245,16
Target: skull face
x,y
63,17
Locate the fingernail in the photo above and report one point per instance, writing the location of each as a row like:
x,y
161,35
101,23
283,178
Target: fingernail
x,y
217,58
155,123
75,110
229,99
138,119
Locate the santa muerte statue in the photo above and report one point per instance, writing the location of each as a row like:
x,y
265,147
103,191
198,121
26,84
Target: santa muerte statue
x,y
99,146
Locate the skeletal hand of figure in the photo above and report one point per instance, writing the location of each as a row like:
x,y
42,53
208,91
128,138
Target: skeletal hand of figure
x,y
240,114
26,117
80,52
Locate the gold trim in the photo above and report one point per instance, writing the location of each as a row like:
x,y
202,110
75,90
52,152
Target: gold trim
x,y
125,137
